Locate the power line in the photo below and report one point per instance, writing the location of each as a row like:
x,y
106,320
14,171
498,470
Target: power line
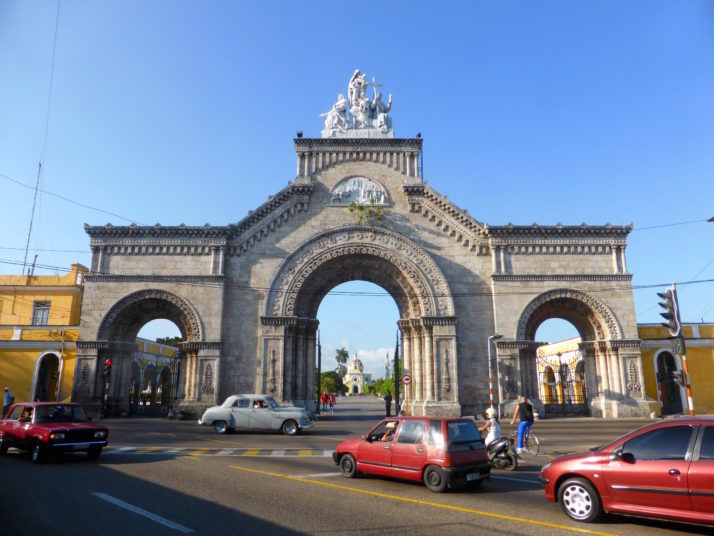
x,y
24,185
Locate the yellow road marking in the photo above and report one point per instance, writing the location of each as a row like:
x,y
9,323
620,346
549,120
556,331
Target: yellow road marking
x,y
423,503
252,452
305,452
199,451
224,441
149,449
332,438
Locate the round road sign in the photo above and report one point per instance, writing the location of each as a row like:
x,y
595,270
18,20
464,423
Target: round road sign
x,y
406,379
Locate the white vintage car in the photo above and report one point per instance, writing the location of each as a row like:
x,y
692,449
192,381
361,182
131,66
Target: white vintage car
x,y
255,412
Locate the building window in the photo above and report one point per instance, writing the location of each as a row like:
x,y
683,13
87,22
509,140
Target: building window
x,y
40,313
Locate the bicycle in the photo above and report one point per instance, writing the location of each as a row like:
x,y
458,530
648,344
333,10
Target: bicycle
x,y
531,444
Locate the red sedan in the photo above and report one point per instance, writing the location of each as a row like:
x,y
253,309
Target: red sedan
x,y
439,452
48,427
664,470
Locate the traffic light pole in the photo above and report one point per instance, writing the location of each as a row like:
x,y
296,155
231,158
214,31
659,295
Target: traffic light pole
x,y
685,370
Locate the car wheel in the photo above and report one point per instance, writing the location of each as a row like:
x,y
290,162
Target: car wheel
x,y
94,452
435,479
579,499
220,427
348,466
290,428
511,462
38,453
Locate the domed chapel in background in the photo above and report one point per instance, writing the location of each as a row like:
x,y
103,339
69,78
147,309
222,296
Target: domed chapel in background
x,y
355,379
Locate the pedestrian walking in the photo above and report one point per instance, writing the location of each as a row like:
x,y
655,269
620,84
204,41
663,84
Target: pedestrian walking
x,y
524,412
331,400
8,401
388,403
323,399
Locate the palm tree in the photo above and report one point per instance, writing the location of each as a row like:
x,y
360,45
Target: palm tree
x,y
342,355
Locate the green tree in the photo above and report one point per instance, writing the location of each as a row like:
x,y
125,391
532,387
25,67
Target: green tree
x,y
331,382
342,355
171,341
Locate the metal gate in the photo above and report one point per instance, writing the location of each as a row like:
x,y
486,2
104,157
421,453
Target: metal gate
x,y
562,392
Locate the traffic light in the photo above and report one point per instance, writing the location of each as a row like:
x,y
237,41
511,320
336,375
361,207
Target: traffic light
x,y
108,368
671,311
678,377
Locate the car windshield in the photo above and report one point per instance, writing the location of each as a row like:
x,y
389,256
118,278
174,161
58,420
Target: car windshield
x,y
270,400
463,431
60,413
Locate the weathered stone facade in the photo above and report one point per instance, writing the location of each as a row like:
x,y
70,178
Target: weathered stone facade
x,y
245,296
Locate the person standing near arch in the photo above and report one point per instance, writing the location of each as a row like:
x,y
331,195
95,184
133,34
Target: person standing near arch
x,y
388,403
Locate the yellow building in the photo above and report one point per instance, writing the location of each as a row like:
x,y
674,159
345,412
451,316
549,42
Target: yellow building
x,y
356,379
39,325
659,359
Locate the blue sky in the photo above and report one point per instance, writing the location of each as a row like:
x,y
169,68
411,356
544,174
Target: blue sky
x,y
177,111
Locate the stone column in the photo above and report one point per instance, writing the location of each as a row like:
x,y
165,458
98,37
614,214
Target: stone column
x,y
406,332
300,358
428,363
416,344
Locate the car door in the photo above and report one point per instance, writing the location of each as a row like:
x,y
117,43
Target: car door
x,y
701,474
261,415
650,475
408,451
13,430
375,456
240,412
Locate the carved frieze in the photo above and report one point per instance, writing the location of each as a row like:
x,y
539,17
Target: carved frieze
x,y
414,263
190,316
598,310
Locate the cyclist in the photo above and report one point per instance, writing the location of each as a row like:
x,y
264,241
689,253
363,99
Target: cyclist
x,y
524,412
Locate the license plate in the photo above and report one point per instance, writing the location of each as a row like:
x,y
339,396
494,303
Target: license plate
x,y
473,476
80,446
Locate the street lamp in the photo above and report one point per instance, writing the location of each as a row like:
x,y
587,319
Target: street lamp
x,y
490,375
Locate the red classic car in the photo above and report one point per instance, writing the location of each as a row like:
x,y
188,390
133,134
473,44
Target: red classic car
x,y
438,451
664,470
48,427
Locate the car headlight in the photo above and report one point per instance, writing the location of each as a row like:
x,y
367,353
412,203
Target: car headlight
x,y
57,436
542,469
100,434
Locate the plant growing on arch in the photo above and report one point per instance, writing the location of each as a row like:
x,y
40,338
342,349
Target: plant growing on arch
x,y
369,214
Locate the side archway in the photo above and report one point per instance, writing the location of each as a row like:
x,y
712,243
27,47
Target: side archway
x,y
579,373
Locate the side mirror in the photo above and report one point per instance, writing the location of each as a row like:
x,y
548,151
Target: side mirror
x,y
626,457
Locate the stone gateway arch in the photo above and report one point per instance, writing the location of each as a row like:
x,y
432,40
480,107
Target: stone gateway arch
x,y
245,296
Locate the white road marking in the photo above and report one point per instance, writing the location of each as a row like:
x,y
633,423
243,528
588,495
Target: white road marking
x,y
142,512
224,452
318,475
277,453
537,483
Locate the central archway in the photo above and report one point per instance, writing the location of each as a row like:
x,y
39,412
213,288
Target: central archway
x,y
404,270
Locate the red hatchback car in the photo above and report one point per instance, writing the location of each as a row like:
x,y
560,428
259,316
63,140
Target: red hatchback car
x,y
664,470
438,451
48,427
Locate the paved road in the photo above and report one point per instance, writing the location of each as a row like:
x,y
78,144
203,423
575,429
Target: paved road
x,y
167,477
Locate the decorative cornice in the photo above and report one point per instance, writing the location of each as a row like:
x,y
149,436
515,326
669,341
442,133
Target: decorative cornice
x,y
511,231
40,345
105,345
157,231
279,320
199,345
625,343
447,217
357,144
502,344
429,321
210,279
562,277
